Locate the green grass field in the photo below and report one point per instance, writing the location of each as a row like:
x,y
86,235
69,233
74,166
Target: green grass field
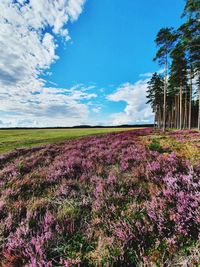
x,y
11,139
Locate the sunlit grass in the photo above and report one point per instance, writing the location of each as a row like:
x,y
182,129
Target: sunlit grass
x,y
187,149
12,139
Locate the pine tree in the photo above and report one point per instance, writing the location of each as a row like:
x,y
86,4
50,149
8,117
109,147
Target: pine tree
x,y
181,49
192,11
189,35
178,76
164,40
155,96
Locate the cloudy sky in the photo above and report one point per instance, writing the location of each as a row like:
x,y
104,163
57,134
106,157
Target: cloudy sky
x,y
71,62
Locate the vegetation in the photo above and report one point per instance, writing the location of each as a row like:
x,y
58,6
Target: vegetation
x,y
175,96
185,143
155,145
12,139
126,198
107,200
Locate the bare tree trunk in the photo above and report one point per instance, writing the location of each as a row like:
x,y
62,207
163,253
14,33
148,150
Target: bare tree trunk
x,y
178,110
190,100
180,119
172,114
169,118
185,115
156,117
160,117
178,103
199,106
172,120
175,113
165,96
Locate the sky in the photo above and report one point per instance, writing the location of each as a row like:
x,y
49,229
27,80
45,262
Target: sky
x,y
75,62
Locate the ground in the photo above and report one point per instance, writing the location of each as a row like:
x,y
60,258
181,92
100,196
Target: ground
x,y
127,198
11,139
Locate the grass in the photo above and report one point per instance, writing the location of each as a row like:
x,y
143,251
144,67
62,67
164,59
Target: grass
x,y
165,143
12,138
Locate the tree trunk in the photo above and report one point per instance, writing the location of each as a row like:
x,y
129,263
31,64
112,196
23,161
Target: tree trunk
x,y
180,119
175,113
185,115
190,100
156,117
165,95
160,117
199,106
178,110
172,120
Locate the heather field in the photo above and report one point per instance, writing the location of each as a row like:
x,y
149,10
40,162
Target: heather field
x,y
127,198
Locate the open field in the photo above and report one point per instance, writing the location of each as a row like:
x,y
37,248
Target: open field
x,y
11,139
120,199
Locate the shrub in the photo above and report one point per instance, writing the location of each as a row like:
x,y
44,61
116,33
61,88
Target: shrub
x,y
155,145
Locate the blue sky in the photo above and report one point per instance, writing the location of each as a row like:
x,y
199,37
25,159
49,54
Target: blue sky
x,y
79,62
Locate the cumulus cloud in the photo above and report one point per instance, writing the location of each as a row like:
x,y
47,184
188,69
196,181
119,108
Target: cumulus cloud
x,y
149,74
28,34
28,31
48,107
136,111
96,109
28,40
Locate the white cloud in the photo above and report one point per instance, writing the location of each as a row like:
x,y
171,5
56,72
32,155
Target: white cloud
x,y
149,74
146,75
28,37
28,33
96,109
136,111
49,107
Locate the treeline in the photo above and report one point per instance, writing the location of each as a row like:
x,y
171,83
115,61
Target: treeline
x,y
175,94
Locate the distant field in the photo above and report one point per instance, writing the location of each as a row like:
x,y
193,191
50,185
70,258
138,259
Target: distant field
x,y
11,139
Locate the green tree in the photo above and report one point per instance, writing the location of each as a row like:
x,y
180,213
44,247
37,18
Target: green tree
x,y
155,96
189,36
192,9
178,76
164,41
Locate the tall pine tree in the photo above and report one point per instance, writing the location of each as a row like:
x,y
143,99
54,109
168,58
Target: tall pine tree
x,y
164,40
192,12
155,97
178,75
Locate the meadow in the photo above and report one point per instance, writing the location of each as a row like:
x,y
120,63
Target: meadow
x,y
17,138
127,198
